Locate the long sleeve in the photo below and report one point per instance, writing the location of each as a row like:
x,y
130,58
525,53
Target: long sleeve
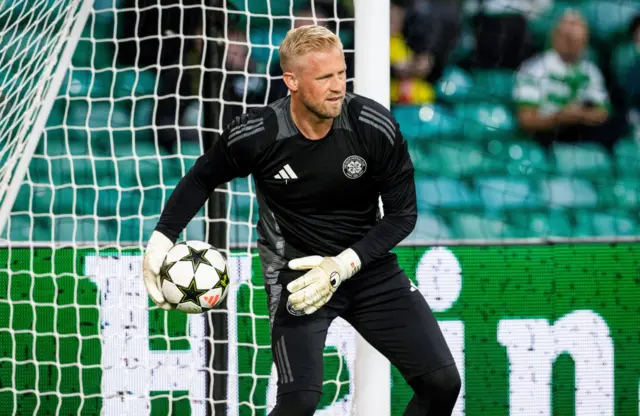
x,y
394,175
233,155
210,171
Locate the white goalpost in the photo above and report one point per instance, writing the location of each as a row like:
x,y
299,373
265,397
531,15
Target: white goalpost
x,y
372,79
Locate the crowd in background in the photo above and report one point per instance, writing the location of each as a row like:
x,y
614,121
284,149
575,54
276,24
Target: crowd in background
x,y
560,92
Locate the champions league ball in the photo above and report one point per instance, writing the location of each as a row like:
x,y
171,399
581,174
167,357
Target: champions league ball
x,y
194,277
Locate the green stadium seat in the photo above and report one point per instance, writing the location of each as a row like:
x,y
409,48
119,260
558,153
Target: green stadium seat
x,y
87,83
134,83
22,43
499,193
21,204
603,224
624,56
241,199
262,40
425,163
67,229
429,227
142,109
18,228
63,200
584,159
626,192
242,234
542,223
627,156
189,149
480,227
442,192
454,86
608,20
105,15
93,54
132,202
485,121
136,231
464,158
493,85
97,126
429,122
519,157
564,192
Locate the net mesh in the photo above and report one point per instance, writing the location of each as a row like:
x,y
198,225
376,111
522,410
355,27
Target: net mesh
x,y
78,334
148,89
30,47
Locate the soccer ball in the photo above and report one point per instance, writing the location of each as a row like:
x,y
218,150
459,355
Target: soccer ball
x,y
194,277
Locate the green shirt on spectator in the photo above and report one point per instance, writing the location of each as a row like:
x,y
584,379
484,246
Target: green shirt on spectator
x,y
548,83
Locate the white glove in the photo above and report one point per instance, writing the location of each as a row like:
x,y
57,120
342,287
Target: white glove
x,y
313,289
157,249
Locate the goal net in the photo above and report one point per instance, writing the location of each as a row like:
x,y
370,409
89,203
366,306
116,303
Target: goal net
x,y
146,92
523,252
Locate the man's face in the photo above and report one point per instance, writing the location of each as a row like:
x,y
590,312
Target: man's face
x,y
322,82
570,39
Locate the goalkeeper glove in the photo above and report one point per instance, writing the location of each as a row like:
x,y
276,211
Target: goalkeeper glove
x,y
313,289
157,249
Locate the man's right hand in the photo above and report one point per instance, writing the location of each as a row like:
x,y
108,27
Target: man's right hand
x,y
157,249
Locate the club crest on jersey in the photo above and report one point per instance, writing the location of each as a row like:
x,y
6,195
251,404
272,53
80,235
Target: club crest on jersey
x,y
354,167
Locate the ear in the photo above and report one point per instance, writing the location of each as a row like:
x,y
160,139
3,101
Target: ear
x,y
290,80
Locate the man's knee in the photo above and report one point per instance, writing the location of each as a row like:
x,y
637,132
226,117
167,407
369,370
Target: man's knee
x,y
297,403
442,385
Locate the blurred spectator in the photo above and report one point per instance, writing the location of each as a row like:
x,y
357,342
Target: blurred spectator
x,y
241,86
423,35
632,85
500,29
160,35
561,95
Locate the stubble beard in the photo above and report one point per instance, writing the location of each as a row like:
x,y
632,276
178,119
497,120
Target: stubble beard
x,y
320,112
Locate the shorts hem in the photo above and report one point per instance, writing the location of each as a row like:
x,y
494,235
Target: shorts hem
x,y
290,389
433,368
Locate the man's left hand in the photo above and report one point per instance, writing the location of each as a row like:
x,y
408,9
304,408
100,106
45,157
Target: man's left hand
x,y
314,289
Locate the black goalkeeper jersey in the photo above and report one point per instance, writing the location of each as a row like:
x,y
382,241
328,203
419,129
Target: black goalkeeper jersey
x,y
315,197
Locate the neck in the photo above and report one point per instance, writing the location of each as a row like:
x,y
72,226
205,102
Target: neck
x,y
309,124
568,59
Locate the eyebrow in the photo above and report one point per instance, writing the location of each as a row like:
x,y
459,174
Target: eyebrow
x,y
328,75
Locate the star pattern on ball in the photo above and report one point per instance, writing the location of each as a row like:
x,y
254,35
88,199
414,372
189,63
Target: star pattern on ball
x,y
223,279
164,271
196,257
191,293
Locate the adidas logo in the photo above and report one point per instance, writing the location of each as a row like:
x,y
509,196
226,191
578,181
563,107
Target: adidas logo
x,y
211,300
286,173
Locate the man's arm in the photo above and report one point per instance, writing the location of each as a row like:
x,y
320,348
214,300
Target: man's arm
x,y
233,155
394,175
530,118
211,170
598,98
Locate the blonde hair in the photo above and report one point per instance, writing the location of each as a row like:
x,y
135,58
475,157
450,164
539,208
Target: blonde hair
x,y
305,39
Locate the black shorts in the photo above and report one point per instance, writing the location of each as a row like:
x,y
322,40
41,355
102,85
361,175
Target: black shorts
x,y
383,307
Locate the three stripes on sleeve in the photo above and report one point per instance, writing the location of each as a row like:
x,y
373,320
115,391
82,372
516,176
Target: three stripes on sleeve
x,y
378,121
250,128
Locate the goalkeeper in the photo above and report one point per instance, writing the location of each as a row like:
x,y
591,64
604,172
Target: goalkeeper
x,y
320,159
